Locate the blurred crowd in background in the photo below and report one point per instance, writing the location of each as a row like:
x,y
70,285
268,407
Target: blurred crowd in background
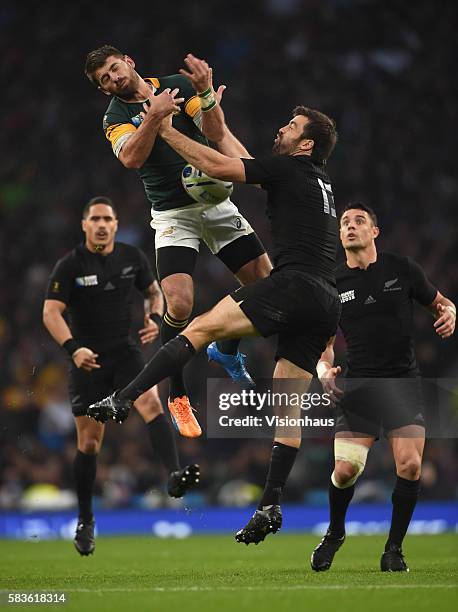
x,y
382,68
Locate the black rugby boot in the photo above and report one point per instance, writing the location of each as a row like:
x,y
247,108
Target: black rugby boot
x,y
84,538
260,525
182,480
323,555
111,407
393,560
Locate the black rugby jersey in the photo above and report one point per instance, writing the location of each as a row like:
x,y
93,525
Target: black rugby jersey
x,y
98,291
377,315
300,206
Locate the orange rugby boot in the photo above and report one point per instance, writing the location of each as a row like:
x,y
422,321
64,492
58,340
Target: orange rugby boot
x,y
183,418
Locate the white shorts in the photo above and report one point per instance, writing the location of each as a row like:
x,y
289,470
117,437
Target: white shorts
x,y
216,224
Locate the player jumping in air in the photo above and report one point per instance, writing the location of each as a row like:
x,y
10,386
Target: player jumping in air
x,y
131,124
298,301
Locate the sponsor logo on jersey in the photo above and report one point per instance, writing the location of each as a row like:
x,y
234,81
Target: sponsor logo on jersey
x,y
238,222
369,300
389,285
55,287
87,281
109,286
346,296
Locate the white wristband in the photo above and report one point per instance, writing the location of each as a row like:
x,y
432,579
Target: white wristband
x,y
207,99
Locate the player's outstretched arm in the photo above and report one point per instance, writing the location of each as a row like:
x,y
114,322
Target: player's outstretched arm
x,y
137,148
209,161
231,146
200,75
214,125
444,311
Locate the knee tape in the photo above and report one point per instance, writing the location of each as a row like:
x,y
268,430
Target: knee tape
x,y
353,453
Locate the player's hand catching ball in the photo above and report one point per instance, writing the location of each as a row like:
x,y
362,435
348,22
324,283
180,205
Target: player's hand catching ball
x,y
201,75
445,322
85,359
165,103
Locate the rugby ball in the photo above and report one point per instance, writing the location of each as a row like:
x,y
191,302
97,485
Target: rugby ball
x,y
203,188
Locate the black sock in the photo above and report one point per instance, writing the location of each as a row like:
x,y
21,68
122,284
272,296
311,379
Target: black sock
x,y
84,470
339,499
228,347
170,328
404,499
163,442
281,462
169,360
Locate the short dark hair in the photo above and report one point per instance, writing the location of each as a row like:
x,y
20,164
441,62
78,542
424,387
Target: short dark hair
x,y
321,129
99,200
360,206
96,59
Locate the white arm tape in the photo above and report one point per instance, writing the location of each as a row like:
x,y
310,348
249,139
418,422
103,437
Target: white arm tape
x,y
117,146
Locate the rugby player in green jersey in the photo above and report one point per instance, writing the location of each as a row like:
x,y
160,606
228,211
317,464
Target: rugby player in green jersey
x,y
131,124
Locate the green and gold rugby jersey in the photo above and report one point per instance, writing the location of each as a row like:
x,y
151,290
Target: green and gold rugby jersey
x,y
161,173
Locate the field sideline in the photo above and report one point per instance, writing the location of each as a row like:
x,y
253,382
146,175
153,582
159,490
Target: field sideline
x,y
214,573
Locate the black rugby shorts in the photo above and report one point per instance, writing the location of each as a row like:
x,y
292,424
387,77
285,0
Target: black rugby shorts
x,y
376,406
119,367
302,309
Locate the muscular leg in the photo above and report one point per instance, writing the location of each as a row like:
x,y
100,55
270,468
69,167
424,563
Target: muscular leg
x,y
159,430
268,517
407,444
348,466
287,439
350,452
89,441
254,270
346,470
225,320
179,294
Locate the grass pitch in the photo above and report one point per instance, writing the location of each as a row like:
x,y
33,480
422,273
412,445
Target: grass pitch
x,y
215,573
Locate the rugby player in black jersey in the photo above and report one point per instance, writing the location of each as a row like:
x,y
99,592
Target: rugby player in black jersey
x,y
131,123
298,301
377,292
94,283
